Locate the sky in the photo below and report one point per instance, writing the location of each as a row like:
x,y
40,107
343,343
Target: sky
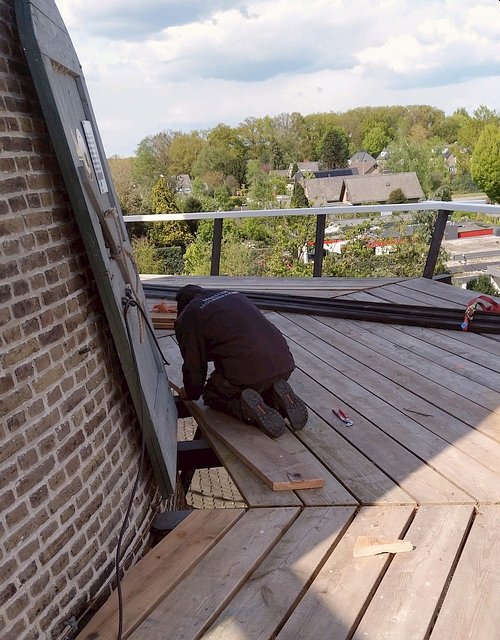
x,y
183,65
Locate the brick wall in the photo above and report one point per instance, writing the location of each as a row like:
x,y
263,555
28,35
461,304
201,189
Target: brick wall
x,y
69,440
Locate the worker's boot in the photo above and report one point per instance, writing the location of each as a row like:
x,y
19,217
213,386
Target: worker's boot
x,y
256,411
289,404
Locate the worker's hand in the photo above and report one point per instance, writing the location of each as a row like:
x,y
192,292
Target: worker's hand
x,y
182,393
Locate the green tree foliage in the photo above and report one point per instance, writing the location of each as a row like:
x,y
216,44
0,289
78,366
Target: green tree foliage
x,y
183,152
408,155
397,196
375,140
167,234
151,160
485,162
127,192
299,199
146,256
290,236
334,149
483,284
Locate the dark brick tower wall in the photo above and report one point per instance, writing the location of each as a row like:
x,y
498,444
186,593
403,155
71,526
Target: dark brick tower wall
x,y
69,439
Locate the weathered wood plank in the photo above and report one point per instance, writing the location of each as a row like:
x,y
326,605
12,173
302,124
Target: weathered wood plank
x,y
476,442
280,470
454,373
471,609
368,483
195,603
365,391
304,285
259,607
406,600
414,477
159,571
398,376
251,487
338,596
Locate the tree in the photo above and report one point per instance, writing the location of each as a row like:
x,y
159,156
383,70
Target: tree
x,y
334,149
167,234
183,151
485,162
146,256
151,160
376,140
483,284
299,199
397,196
127,191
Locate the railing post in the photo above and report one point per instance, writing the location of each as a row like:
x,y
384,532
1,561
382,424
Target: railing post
x,y
216,245
436,240
318,245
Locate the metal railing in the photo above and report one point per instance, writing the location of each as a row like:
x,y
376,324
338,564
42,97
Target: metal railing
x,y
444,209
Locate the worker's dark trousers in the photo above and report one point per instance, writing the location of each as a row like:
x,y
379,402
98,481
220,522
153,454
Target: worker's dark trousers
x,y
222,395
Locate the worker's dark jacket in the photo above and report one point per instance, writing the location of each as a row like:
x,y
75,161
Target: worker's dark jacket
x,y
227,328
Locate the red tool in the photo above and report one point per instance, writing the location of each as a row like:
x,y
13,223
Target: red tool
x,y
342,416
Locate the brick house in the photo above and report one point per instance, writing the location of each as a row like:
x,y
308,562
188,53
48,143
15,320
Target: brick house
x,y
69,436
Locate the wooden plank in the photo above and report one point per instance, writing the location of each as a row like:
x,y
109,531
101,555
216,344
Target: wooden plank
x,y
454,373
359,393
195,603
414,477
254,491
268,459
476,442
336,599
260,283
279,468
257,610
159,571
332,492
366,546
368,483
470,609
355,344
406,600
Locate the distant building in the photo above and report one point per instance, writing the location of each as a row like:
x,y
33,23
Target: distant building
x,y
183,184
324,192
302,166
378,187
364,163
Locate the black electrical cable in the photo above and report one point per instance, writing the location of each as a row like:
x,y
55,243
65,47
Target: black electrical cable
x,y
129,303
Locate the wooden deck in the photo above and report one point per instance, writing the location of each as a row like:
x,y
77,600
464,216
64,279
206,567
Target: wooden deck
x,y
420,462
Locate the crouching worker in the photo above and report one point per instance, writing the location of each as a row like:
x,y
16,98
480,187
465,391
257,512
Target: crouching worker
x,y
251,359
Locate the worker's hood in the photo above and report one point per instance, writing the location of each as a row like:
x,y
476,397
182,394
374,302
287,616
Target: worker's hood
x,y
186,294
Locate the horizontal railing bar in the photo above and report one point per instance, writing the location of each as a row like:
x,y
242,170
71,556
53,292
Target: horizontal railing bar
x,y
428,205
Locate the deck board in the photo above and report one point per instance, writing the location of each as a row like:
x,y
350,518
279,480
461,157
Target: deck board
x,y
265,599
408,596
195,603
422,459
336,600
470,609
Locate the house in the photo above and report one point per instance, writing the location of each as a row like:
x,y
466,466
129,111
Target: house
x,y
364,163
302,166
378,188
183,184
326,173
324,192
450,160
